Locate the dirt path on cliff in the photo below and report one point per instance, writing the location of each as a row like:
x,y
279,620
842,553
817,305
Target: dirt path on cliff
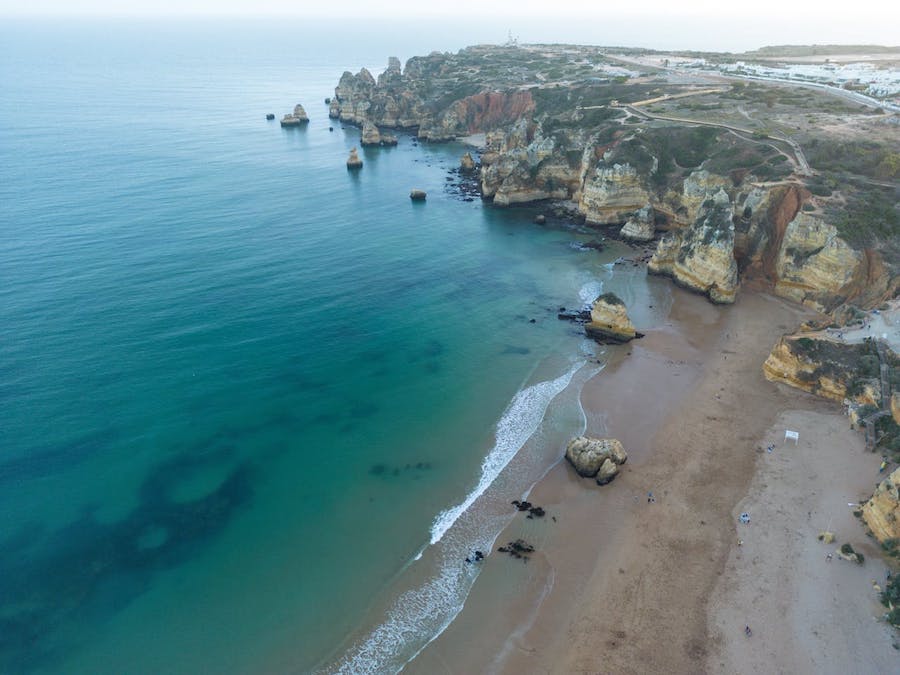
x,y
620,584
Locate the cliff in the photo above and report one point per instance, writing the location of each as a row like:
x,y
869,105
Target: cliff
x,y
612,194
701,257
882,512
827,368
554,133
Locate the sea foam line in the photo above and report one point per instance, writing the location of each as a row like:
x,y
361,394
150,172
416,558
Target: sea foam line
x,y
518,423
590,291
436,603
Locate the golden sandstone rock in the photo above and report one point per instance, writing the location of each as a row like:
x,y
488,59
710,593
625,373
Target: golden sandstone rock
x,y
701,257
609,320
882,511
590,455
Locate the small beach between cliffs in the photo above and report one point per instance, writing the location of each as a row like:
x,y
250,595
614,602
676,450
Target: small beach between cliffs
x,y
622,583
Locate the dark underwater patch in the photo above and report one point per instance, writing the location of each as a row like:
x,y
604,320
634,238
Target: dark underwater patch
x,y
46,460
93,568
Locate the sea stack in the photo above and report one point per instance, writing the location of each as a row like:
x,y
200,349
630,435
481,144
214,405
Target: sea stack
x,y
467,164
296,118
417,195
609,320
353,161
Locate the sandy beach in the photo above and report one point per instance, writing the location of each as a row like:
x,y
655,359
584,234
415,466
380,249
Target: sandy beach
x,y
623,584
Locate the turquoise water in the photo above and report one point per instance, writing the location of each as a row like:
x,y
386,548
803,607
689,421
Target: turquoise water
x,y
238,384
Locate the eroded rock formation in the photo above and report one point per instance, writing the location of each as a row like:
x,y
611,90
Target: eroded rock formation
x,y
591,456
720,227
826,367
640,226
882,512
609,320
701,257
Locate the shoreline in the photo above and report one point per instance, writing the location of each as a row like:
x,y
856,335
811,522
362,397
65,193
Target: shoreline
x,y
596,596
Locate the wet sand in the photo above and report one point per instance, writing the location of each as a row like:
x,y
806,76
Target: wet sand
x,y
622,585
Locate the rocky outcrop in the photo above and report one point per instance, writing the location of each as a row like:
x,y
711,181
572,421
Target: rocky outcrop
x,y
701,257
414,99
696,189
417,195
895,406
522,165
370,135
590,455
612,194
609,320
815,266
540,144
882,512
466,163
825,367
296,118
640,227
353,161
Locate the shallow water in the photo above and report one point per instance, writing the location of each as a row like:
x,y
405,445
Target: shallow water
x,y
239,384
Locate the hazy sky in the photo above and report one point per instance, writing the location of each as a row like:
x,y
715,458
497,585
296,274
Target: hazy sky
x,y
663,23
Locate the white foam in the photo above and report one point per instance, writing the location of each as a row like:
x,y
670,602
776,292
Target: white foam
x,y
519,422
590,291
421,614
433,604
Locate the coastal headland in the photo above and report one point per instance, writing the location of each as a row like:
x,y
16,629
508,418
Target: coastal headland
x,y
773,210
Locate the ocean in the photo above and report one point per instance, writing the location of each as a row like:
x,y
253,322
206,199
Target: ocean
x,y
256,409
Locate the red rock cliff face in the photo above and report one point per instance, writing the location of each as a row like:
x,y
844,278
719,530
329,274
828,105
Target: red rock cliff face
x,y
493,109
781,212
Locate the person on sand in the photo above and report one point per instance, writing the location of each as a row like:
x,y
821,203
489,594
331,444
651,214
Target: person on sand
x,y
747,631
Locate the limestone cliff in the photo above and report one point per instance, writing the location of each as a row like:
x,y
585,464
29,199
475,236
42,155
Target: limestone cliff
x,y
522,165
572,142
612,194
296,118
882,512
826,367
640,227
814,265
701,257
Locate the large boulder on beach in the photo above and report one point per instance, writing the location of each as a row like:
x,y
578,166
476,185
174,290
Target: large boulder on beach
x,y
588,455
609,320
640,227
700,257
608,470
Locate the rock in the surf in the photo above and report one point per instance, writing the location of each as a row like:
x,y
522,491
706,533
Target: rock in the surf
x,y
353,161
